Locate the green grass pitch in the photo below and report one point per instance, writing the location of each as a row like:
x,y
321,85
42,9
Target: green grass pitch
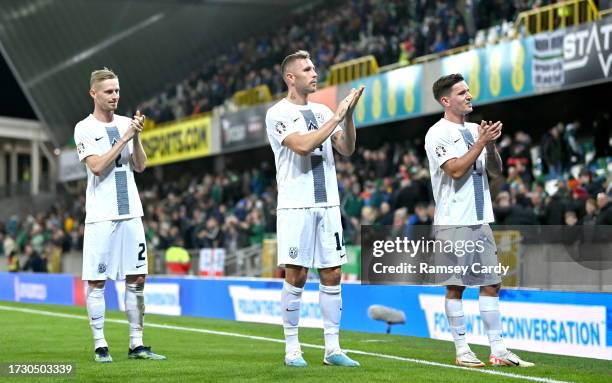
x,y
207,350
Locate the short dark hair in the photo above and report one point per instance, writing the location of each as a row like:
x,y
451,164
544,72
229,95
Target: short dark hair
x,y
444,84
291,58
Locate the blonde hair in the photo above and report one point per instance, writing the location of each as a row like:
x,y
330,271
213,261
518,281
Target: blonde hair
x,y
101,75
293,57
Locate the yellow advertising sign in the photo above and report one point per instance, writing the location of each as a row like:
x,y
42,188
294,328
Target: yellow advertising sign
x,y
178,141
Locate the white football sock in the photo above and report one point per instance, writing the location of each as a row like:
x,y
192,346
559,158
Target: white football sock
x,y
134,308
456,320
489,313
330,300
95,310
291,298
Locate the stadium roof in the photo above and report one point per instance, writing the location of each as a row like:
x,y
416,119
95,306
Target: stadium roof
x,y
53,45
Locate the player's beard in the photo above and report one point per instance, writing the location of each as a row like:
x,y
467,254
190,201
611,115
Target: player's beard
x,y
108,107
312,87
309,88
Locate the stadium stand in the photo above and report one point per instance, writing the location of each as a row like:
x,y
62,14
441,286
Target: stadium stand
x,y
209,191
388,185
547,178
391,31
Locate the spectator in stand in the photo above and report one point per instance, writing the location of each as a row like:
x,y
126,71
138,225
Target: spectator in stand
x,y
178,260
420,216
37,238
590,215
515,152
590,185
459,37
575,153
440,44
604,217
552,151
409,194
394,174
34,263
385,216
341,31
556,206
570,218
13,262
211,236
517,211
399,222
351,206
602,127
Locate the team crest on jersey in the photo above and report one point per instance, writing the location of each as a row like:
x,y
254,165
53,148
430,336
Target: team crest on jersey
x,y
280,127
319,117
440,151
293,252
81,148
101,268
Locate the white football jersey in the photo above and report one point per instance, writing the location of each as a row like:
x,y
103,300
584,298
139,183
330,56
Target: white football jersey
x,y
112,195
303,181
466,201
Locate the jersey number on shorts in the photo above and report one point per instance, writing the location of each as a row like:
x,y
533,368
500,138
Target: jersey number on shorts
x,y
339,244
141,256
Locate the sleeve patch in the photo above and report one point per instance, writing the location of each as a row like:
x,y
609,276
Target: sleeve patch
x,y
280,127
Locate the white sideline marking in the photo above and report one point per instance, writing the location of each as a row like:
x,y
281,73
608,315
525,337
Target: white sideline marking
x,y
262,338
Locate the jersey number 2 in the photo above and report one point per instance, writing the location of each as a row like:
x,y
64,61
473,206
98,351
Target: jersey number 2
x,y
141,256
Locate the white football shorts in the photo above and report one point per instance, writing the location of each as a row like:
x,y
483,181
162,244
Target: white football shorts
x,y
310,237
114,249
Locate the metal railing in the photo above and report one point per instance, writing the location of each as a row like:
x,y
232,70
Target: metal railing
x,y
435,56
245,262
252,96
605,13
555,16
352,70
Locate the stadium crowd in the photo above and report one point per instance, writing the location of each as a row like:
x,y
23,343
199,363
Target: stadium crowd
x,y
384,186
392,31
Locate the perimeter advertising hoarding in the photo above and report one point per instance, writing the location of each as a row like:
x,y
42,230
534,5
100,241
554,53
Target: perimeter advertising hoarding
x,y
243,129
540,63
178,141
495,72
564,323
587,52
389,96
37,288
